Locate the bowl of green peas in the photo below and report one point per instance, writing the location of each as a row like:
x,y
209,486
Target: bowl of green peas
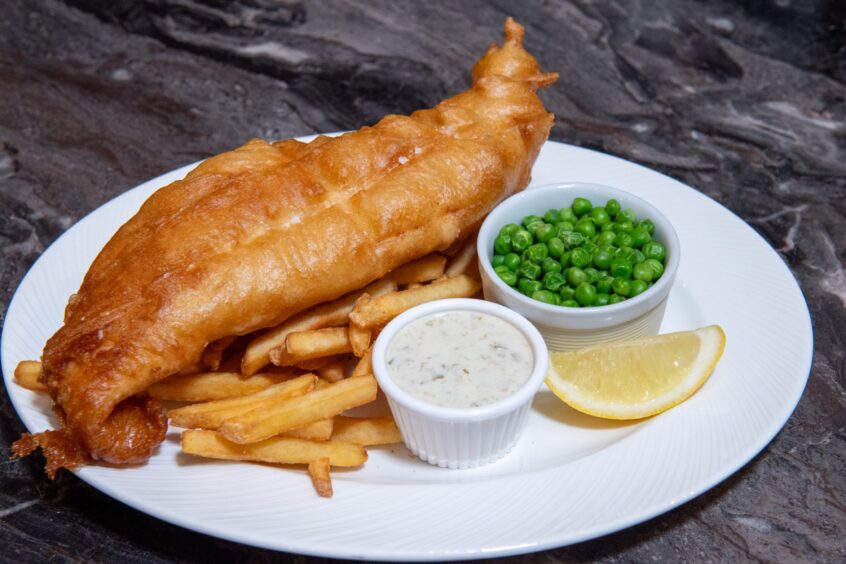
x,y
585,263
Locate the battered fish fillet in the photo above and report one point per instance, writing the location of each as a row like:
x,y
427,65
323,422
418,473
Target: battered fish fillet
x,y
257,234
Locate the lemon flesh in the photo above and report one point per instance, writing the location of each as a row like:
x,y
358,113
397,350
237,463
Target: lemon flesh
x,y
637,378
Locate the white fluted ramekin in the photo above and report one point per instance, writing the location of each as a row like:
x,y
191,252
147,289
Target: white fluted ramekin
x,y
564,328
460,437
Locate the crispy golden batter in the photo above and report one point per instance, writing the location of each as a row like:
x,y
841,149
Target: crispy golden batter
x,y
257,234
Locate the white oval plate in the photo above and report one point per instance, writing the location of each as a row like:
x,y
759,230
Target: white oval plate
x,y
570,478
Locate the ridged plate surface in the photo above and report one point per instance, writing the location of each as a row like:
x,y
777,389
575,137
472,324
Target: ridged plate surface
x,y
570,478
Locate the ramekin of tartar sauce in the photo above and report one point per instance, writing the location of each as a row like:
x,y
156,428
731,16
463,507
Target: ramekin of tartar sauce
x,y
459,376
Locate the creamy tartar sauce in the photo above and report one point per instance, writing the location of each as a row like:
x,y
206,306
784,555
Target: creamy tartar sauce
x,y
460,359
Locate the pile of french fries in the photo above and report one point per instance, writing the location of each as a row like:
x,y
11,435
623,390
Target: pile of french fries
x,y
280,397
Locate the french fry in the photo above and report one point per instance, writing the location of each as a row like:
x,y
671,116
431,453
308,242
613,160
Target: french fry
x,y
267,421
315,363
423,269
276,450
359,339
26,375
308,345
212,414
464,261
318,469
211,386
380,310
334,313
195,368
334,371
318,431
366,431
213,354
454,248
364,366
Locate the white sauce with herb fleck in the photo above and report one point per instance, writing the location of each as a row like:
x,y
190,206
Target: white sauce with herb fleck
x,y
460,359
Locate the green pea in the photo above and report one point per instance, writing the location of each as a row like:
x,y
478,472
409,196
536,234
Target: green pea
x,y
509,229
592,274
585,294
626,215
522,283
579,257
576,276
602,259
533,286
623,226
657,267
603,285
647,225
571,239
567,214
534,226
549,264
552,216
623,239
537,253
600,216
503,244
612,207
610,226
553,281
586,228
563,226
521,240
606,238
555,247
512,261
508,277
570,303
566,293
637,256
654,250
529,270
601,299
643,272
638,287
640,237
544,296
498,260
621,268
621,287
615,299
531,219
545,232
581,206
565,259
625,253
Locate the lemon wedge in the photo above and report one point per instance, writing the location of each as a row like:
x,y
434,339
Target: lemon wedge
x,y
637,378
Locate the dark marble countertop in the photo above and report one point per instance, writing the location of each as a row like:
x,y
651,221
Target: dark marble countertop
x,y
745,101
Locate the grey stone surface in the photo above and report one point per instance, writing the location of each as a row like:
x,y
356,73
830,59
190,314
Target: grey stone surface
x,y
745,101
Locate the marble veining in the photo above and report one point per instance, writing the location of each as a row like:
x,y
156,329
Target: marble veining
x,y
744,100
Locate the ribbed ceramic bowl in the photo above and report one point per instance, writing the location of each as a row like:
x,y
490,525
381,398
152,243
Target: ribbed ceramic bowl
x,y
564,328
460,437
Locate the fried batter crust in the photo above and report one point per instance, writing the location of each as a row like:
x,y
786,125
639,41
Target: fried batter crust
x,y
257,234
